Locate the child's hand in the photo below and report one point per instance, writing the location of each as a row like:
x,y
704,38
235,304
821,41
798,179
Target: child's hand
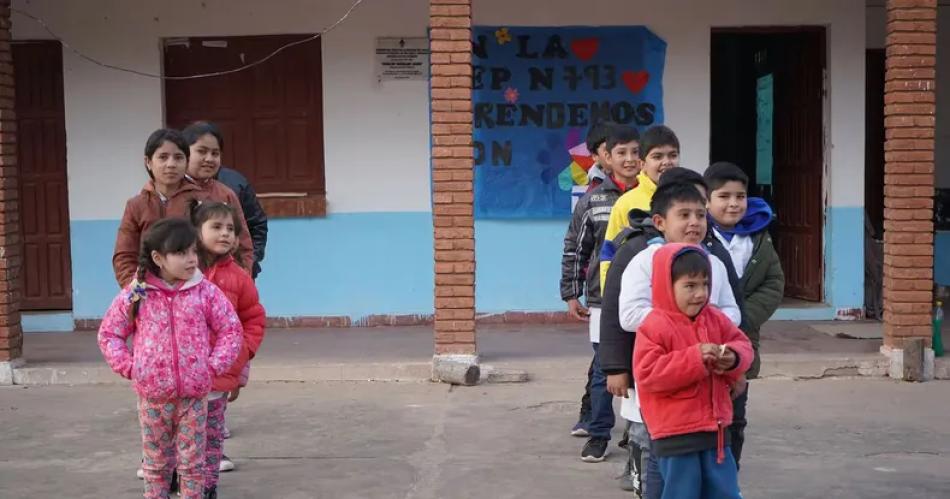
x,y
710,353
740,387
617,384
234,394
726,360
577,311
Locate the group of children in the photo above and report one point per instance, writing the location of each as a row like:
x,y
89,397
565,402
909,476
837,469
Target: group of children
x,y
678,271
679,274
188,319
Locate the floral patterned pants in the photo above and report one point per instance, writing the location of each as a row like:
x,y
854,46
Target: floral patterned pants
x,y
214,448
173,431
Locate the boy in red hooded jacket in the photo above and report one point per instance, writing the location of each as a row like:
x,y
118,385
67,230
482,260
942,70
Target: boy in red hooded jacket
x,y
688,358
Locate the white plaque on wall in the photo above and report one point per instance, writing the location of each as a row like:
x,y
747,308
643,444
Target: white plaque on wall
x,y
402,59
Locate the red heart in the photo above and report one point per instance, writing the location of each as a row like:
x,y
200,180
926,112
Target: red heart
x,y
635,80
585,48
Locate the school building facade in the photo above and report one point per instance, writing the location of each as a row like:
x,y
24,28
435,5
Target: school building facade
x,y
369,184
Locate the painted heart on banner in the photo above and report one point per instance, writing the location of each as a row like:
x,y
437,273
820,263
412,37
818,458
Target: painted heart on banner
x,y
635,80
585,48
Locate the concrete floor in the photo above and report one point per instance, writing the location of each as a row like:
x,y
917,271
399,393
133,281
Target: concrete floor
x,y
837,438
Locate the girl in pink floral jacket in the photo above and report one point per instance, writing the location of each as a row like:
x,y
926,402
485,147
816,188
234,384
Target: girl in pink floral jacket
x,y
170,311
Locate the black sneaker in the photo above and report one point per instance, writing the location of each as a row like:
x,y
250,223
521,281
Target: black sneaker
x,y
595,450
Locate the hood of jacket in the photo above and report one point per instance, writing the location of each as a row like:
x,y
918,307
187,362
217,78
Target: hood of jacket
x,y
757,218
662,279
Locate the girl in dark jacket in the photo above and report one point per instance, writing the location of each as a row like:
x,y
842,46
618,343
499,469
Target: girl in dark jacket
x,y
206,143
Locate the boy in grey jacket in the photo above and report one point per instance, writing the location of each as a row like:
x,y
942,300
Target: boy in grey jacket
x,y
580,271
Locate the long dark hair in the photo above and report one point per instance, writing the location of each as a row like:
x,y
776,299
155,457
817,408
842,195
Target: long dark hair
x,y
168,235
201,212
199,129
159,137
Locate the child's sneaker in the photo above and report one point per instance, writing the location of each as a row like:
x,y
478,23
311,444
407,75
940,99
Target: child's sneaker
x,y
580,429
595,450
140,474
225,464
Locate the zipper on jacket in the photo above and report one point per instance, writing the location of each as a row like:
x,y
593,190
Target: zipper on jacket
x,y
720,430
720,442
161,204
171,313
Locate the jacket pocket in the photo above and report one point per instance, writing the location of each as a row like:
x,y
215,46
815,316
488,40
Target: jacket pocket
x,y
204,375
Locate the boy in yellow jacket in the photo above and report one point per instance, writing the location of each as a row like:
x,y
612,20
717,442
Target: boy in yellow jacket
x,y
659,151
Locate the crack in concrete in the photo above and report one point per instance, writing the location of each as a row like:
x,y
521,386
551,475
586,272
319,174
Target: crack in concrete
x,y
427,462
542,405
904,453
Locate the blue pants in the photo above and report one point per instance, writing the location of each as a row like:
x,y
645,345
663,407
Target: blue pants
x,y
652,479
697,476
585,400
601,402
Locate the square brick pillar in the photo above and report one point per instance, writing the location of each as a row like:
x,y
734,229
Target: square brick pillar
x,y
450,22
909,110
11,334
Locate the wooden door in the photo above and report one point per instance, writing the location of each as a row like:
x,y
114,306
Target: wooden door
x,y
799,64
271,116
41,156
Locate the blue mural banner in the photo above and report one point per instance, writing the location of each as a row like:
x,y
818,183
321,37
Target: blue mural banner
x,y
535,92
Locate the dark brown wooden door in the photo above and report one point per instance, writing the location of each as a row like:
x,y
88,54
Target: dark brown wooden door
x,y
41,156
271,116
798,160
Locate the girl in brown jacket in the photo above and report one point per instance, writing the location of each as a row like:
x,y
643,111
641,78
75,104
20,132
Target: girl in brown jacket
x,y
167,194
204,161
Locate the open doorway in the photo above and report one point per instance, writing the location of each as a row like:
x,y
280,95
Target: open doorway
x,y
767,117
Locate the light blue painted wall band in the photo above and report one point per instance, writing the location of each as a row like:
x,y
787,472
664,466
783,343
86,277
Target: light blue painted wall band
x,y
358,264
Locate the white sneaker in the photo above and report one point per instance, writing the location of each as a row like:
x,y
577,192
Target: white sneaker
x,y
140,474
226,464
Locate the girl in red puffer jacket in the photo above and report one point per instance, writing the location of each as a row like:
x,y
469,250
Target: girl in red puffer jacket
x,y
218,232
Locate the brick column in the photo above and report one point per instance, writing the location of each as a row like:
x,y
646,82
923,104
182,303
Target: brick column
x,y
909,110
452,199
11,335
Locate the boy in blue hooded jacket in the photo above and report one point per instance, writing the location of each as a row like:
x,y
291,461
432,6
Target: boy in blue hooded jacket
x,y
740,224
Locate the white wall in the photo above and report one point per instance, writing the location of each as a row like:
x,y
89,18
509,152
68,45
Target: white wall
x,y
686,25
376,137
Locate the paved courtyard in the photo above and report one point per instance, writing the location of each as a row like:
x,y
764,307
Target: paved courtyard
x,y
848,438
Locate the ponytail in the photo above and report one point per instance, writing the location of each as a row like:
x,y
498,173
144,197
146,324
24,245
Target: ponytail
x,y
137,291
